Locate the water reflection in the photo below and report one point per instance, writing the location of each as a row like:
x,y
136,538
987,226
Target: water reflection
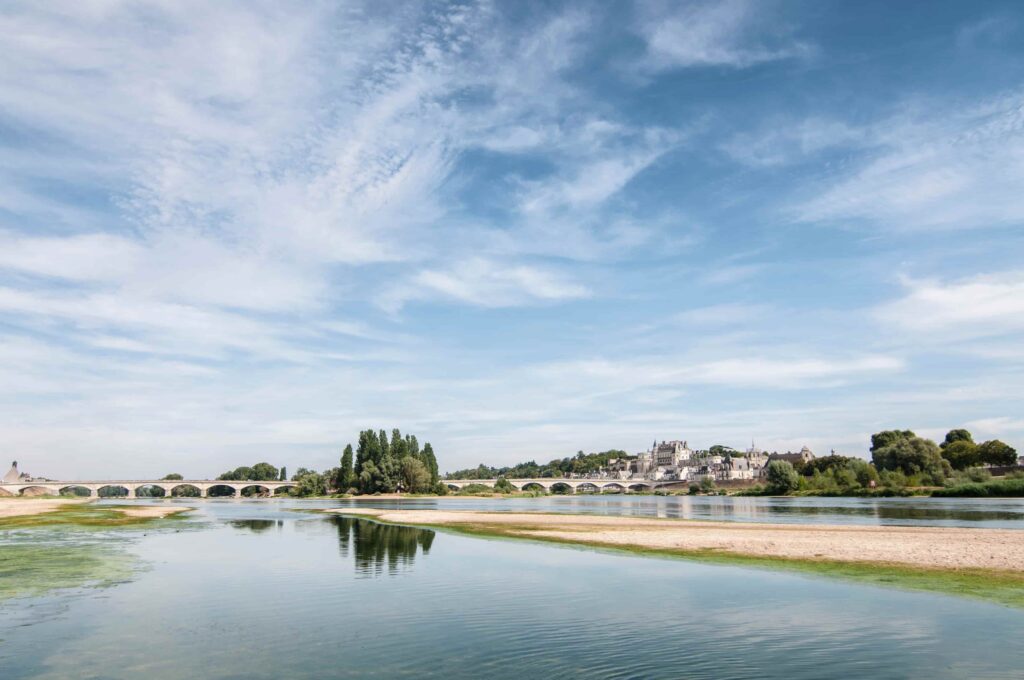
x,y
257,526
378,546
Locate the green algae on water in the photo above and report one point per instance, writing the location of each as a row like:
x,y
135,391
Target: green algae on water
x,y
34,568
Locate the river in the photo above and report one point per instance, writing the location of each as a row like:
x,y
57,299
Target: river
x,y
253,589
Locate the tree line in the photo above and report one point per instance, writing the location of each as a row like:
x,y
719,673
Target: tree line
x,y
899,459
581,463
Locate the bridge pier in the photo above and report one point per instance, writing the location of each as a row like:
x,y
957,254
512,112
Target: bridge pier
x,y
131,492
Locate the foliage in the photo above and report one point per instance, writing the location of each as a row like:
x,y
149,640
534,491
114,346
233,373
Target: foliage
x,y
1011,487
346,473
954,436
782,477
475,490
379,465
309,483
995,452
581,463
503,486
909,454
707,485
414,475
172,476
961,453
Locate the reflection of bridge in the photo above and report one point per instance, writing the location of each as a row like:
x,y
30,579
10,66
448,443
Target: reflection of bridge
x,y
131,486
572,485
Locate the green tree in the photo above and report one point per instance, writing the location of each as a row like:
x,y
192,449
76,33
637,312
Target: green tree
x,y
172,476
995,452
431,462
415,477
782,477
369,478
385,447
284,474
887,437
310,483
398,445
242,473
961,453
347,474
959,435
502,485
911,455
264,472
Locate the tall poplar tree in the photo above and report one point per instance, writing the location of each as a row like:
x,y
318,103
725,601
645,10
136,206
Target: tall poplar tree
x,y
346,475
431,462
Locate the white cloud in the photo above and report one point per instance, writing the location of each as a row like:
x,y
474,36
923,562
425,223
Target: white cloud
x,y
975,307
485,283
932,167
788,142
765,371
733,33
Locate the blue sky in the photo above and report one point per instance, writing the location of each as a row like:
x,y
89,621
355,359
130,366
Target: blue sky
x,y
239,232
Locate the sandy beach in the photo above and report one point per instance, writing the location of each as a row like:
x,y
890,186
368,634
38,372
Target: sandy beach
x,y
927,547
17,507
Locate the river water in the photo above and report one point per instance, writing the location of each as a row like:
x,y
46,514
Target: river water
x,y
253,589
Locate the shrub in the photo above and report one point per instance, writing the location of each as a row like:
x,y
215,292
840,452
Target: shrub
x,y
503,486
782,477
1013,488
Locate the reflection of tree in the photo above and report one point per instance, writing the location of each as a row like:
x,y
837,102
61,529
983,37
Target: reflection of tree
x,y
375,545
257,526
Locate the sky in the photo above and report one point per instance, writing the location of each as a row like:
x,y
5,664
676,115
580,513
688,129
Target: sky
x,y
234,232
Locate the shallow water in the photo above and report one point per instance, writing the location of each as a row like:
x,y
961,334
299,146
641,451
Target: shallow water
x,y
253,590
962,512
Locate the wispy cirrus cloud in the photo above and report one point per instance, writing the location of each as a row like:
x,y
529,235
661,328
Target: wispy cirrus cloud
x,y
733,33
929,167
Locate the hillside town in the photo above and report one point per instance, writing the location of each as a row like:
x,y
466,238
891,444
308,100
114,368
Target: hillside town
x,y
674,460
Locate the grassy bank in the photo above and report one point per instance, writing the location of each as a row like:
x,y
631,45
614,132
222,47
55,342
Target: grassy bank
x,y
1002,587
996,488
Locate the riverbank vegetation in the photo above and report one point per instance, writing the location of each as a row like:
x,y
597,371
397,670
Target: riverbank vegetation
x,y
580,464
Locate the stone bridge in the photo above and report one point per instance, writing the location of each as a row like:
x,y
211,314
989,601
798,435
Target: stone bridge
x,y
132,486
611,485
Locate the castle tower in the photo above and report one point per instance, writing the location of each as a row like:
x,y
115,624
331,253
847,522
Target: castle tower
x,y
12,475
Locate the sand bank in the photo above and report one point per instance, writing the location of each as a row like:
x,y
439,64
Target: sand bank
x,y
15,507
25,507
918,547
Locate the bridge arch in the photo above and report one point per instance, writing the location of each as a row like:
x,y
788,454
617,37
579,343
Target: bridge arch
x,y
257,489
528,486
613,487
113,491
38,490
587,487
454,487
152,491
184,490
639,487
75,490
562,488
282,489
221,489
